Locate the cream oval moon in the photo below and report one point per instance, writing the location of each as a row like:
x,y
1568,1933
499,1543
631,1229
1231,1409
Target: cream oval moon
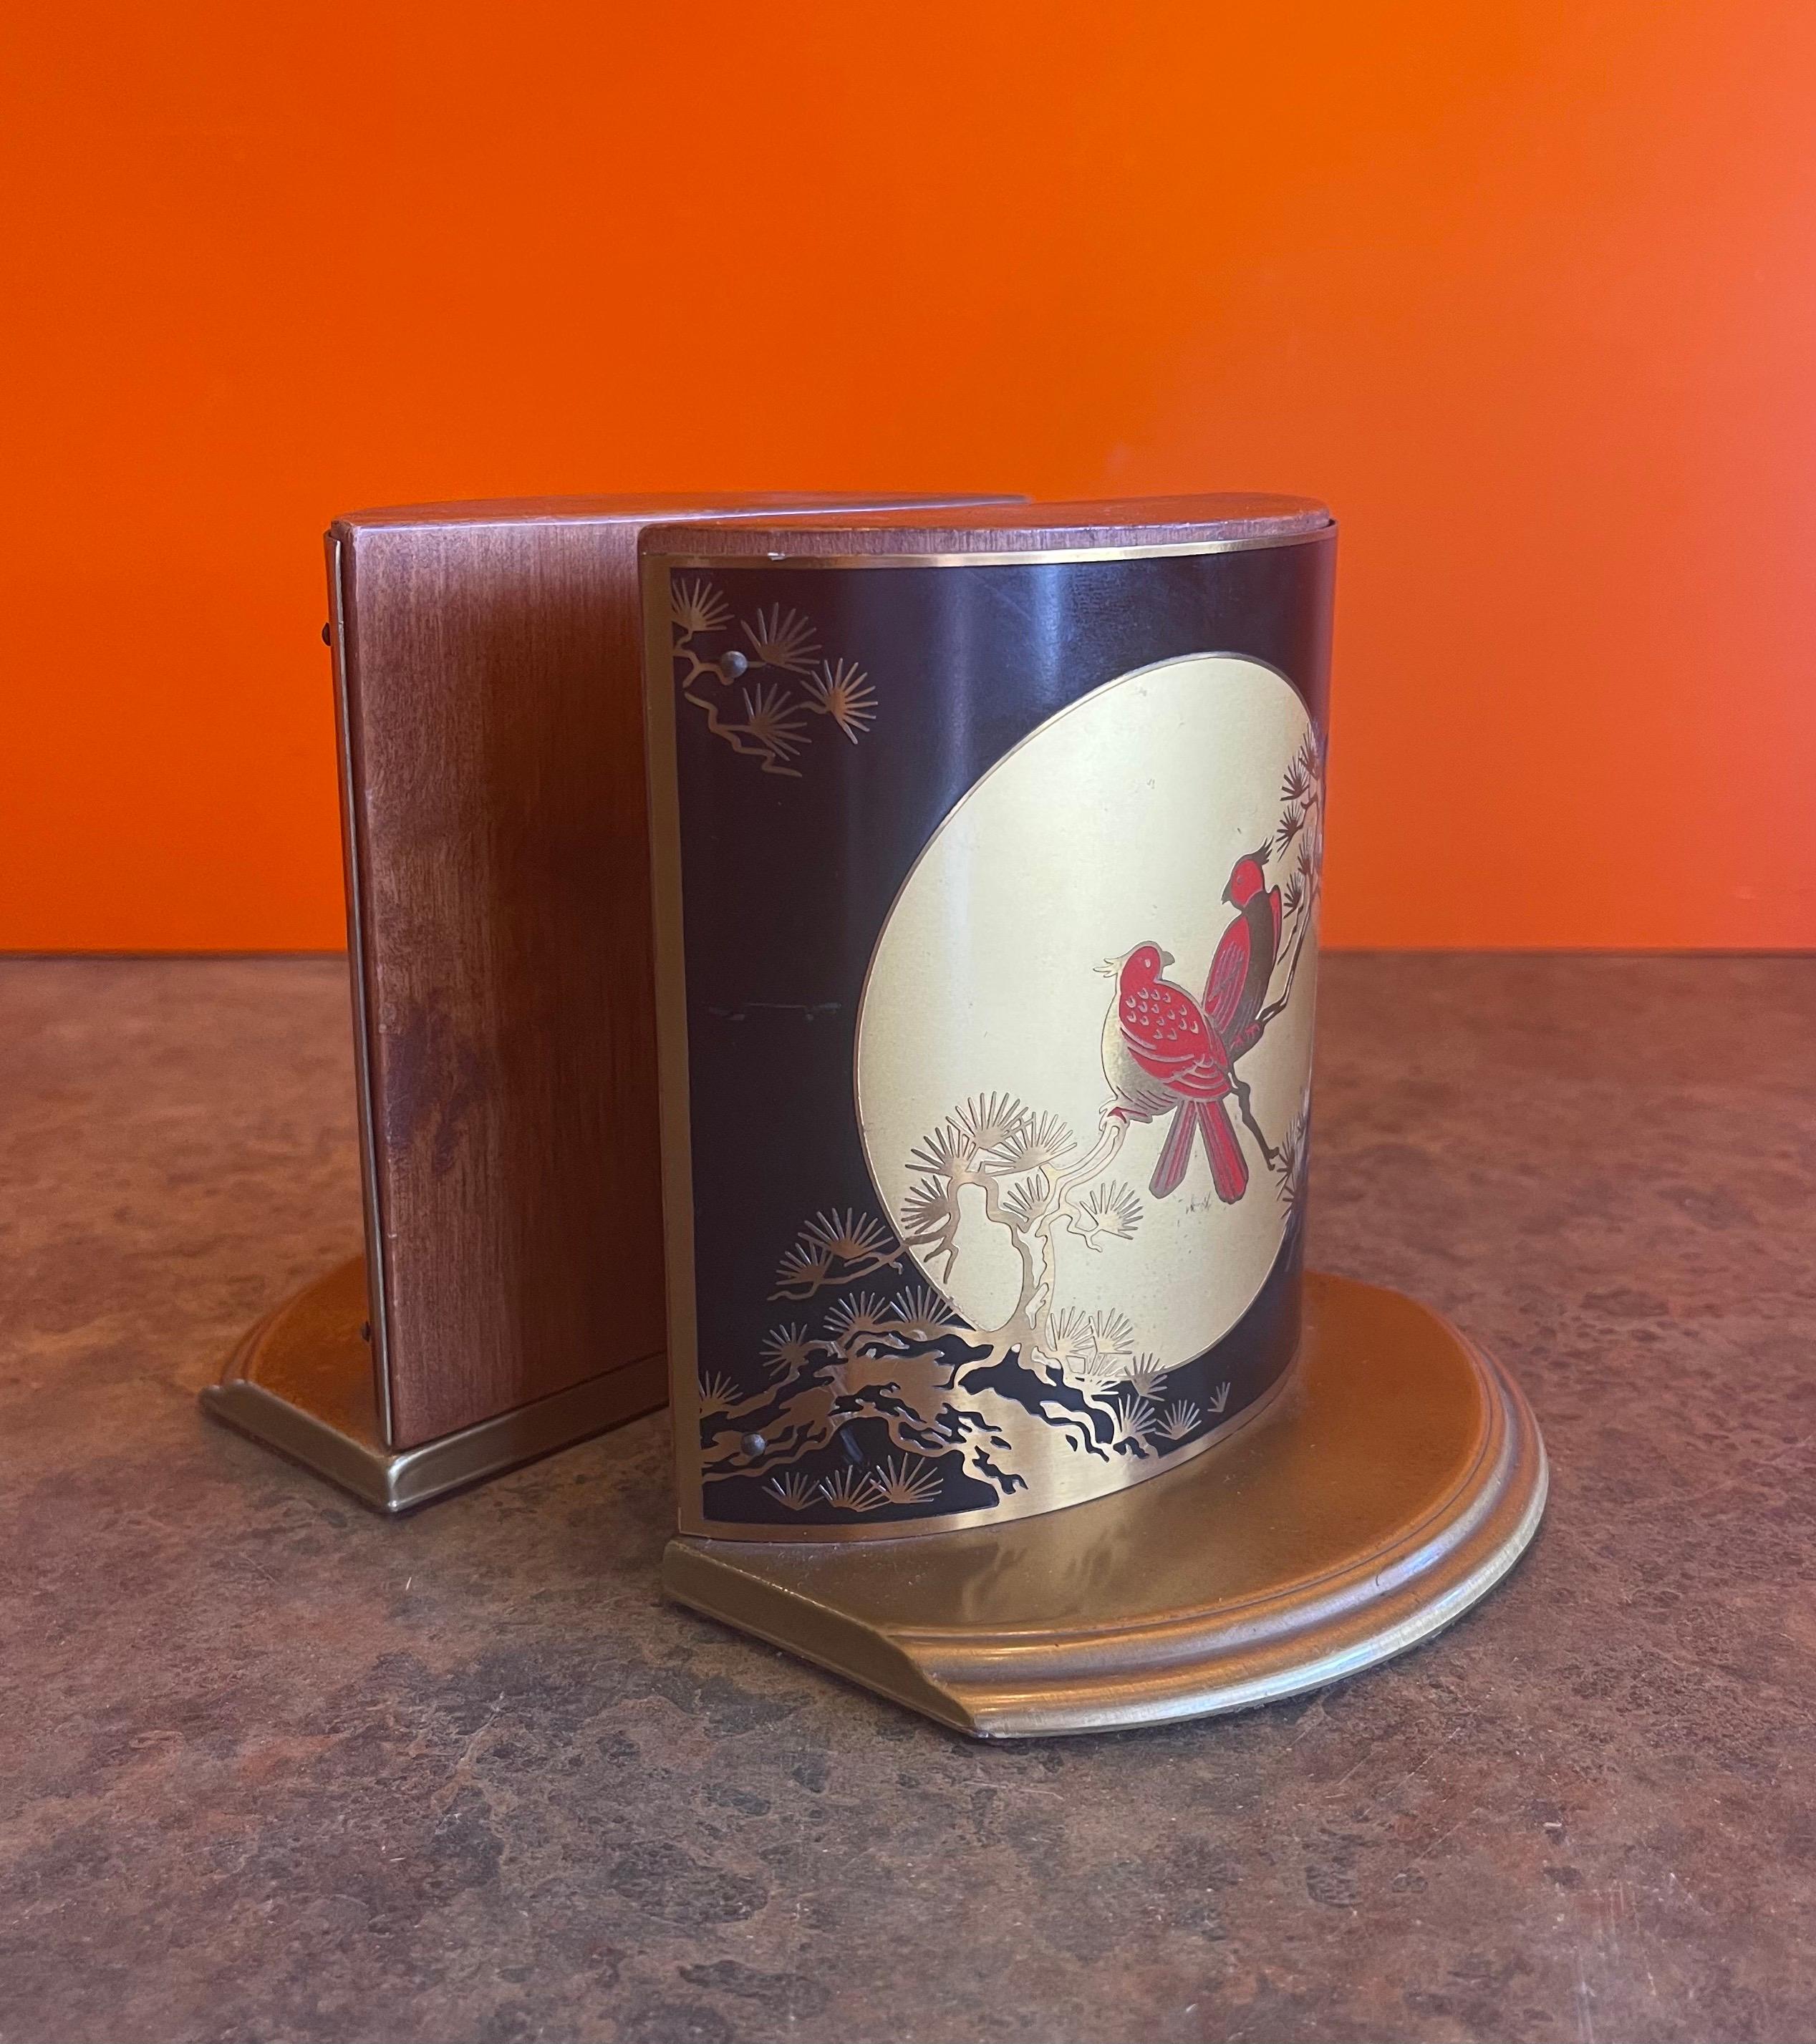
x,y
1115,825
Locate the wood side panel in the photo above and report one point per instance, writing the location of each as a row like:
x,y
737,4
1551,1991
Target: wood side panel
x,y
498,850
499,786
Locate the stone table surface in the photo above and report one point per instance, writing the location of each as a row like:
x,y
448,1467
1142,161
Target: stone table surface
x,y
272,1768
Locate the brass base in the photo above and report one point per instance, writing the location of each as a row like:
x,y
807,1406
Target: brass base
x,y
1395,1484
301,1381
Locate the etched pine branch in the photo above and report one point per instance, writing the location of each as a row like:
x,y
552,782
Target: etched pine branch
x,y
790,683
1298,838
835,1249
1291,1160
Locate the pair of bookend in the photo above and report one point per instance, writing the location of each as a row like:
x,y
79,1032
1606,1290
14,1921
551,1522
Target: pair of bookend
x,y
986,860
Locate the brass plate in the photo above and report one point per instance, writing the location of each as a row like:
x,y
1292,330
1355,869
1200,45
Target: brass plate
x,y
1396,1482
302,1382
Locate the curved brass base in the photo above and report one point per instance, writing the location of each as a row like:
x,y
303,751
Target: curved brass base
x,y
1396,1483
301,1381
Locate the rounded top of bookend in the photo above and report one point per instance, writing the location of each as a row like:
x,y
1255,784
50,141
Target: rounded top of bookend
x,y
1111,526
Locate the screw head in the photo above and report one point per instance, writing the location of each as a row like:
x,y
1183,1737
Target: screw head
x,y
753,1445
733,665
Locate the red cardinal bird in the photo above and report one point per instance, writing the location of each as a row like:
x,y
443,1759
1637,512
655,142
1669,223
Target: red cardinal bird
x,y
1161,1056
1243,968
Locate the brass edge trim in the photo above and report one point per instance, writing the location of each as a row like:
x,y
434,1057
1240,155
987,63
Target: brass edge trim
x,y
353,842
274,1423
562,1420
396,1483
674,1106
1026,557
1496,1529
1372,1637
1391,1567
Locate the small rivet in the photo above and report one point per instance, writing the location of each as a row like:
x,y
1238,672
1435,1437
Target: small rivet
x,y
732,664
754,1444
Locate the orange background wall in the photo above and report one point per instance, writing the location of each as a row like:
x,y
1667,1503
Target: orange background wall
x,y
1527,292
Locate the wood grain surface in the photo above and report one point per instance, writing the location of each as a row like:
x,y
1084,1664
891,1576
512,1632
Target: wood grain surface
x,y
499,930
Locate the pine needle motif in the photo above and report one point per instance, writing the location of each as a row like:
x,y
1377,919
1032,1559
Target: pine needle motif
x,y
841,690
1065,1338
1041,1141
1291,1160
864,1314
1112,1333
1109,1213
902,1482
922,1311
848,1234
950,1151
808,1265
1148,1375
697,607
835,1249
925,1208
787,1351
991,1121
1300,833
773,723
717,1393
1092,1369
1179,1420
1132,1418
851,1490
783,639
794,1489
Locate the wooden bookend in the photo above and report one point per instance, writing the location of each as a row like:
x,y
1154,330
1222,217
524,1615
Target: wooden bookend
x,y
510,1301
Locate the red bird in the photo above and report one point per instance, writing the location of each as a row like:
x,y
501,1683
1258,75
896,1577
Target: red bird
x,y
1161,1056
1243,968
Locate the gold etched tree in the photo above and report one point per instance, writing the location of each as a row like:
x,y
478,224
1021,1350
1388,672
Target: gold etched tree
x,y
906,1358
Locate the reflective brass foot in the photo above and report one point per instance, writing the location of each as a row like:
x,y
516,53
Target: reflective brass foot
x,y
1394,1484
301,1381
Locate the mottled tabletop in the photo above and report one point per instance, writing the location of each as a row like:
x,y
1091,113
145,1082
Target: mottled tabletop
x,y
272,1768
